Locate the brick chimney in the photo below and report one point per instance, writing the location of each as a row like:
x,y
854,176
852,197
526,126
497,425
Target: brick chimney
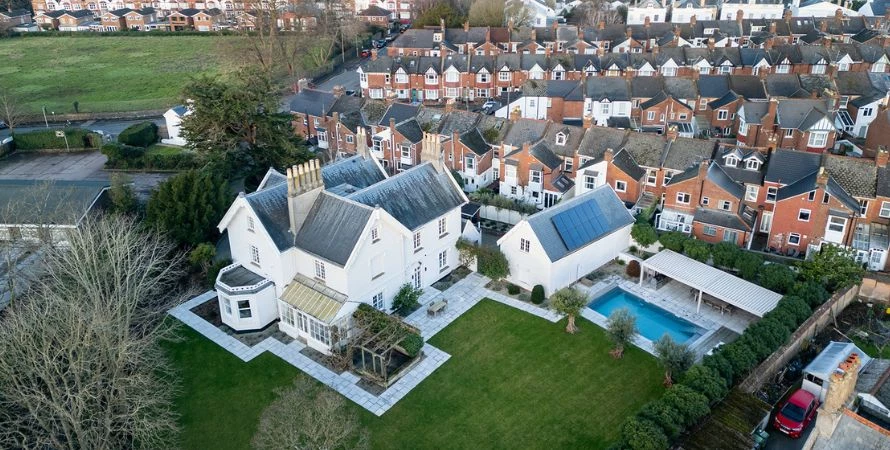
x,y
304,183
587,122
692,21
338,90
771,112
609,155
601,25
431,150
838,15
515,114
510,24
772,26
534,35
882,157
711,44
823,26
392,125
449,105
703,169
842,384
739,17
672,133
822,176
786,16
629,32
646,22
373,54
467,26
703,3
546,52
526,147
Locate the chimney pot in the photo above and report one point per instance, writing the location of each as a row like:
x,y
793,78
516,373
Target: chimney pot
x,y
882,157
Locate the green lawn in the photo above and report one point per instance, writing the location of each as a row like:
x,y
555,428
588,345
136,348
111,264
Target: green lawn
x,y
107,73
164,150
513,381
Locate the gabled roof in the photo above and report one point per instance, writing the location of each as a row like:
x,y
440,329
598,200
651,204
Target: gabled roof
x,y
355,171
624,161
800,114
561,237
411,130
333,227
474,140
541,151
36,202
719,177
725,219
682,152
788,166
312,102
403,198
374,11
808,184
400,112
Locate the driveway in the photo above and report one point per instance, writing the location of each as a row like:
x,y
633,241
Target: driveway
x,y
113,127
779,441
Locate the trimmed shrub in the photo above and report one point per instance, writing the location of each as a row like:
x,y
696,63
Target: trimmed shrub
x,y
812,292
777,277
512,289
127,157
633,269
78,138
725,254
643,434
538,294
748,264
644,234
797,307
406,299
492,263
690,405
412,344
697,250
139,135
707,381
740,356
664,415
673,240
719,363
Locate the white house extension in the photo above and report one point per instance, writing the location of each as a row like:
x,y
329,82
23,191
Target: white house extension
x,y
309,247
557,246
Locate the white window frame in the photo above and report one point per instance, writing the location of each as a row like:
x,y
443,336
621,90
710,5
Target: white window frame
x,y
725,205
804,215
709,230
751,192
320,271
722,114
885,210
254,255
772,193
251,225
534,176
505,75
524,245
620,186
378,302
817,139
416,241
683,198
443,226
244,312
794,239
443,259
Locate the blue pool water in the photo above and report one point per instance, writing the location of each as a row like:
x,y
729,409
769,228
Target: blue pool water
x,y
652,321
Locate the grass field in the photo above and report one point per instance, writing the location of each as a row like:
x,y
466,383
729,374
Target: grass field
x,y
107,73
513,381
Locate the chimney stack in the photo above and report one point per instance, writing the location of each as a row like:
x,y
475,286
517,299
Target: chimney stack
x,y
449,105
467,26
361,143
373,54
772,27
882,157
838,15
646,22
609,155
787,16
587,122
338,90
629,32
822,176
692,21
823,26
304,183
703,169
601,25
842,384
510,24
672,133
431,150
547,52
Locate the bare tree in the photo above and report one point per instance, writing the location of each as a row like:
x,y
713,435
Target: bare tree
x,y
308,417
518,13
11,110
82,367
591,12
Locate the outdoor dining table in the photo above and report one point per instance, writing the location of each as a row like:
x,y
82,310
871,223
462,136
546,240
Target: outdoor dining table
x,y
436,307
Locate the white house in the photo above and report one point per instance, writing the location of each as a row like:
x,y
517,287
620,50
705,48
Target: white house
x,y
682,11
173,119
310,246
558,246
642,11
818,8
874,8
752,9
607,97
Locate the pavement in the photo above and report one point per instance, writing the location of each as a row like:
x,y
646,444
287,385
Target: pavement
x,y
112,127
779,441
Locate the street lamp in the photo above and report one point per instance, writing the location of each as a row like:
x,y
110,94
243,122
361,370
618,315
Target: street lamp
x,y
46,122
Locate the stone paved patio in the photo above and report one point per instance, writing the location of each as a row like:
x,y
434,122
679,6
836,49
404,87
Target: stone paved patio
x,y
462,296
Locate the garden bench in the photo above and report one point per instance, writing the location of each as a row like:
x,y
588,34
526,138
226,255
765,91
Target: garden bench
x,y
435,308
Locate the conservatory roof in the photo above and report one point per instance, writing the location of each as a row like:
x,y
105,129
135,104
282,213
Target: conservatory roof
x,y
832,356
714,282
313,298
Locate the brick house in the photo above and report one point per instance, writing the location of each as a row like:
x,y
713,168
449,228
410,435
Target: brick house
x,y
114,20
802,124
375,15
15,17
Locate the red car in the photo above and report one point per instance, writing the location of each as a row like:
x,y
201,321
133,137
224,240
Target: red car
x,y
797,413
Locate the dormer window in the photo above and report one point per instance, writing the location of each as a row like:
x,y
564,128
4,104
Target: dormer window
x,y
752,164
437,37
504,75
731,161
560,139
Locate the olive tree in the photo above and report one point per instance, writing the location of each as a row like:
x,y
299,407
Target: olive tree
x,y
568,301
676,358
622,329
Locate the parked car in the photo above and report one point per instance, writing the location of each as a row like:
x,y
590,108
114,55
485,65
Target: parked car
x,y
390,38
490,107
380,43
365,53
350,92
3,125
797,412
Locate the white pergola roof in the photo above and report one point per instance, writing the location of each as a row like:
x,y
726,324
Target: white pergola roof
x,y
714,282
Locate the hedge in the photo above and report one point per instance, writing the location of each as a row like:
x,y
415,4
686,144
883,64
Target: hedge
x,y
139,135
125,157
78,138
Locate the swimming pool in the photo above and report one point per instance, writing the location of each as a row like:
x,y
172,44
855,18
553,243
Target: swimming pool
x,y
652,321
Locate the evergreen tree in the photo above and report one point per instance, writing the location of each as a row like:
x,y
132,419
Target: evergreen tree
x,y
189,206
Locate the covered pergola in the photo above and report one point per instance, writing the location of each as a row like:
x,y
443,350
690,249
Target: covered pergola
x,y
711,281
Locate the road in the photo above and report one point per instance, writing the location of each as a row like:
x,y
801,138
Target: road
x,y
113,127
779,441
345,76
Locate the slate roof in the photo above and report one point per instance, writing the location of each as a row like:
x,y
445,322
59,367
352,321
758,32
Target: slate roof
x,y
597,139
333,227
411,130
882,187
525,130
785,85
624,161
400,112
355,171
741,174
542,153
748,86
753,112
270,207
646,148
788,166
800,114
36,202
474,140
401,197
374,11
713,86
612,214
808,184
725,219
688,174
718,176
312,102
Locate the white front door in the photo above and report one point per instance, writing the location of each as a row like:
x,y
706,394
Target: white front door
x,y
415,278
877,260
766,221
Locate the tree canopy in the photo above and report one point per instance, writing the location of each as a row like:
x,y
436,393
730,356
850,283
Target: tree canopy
x,y
235,122
675,357
188,206
487,13
834,267
622,329
568,301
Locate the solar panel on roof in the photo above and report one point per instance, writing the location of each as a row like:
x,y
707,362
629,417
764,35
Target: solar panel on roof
x,y
580,225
